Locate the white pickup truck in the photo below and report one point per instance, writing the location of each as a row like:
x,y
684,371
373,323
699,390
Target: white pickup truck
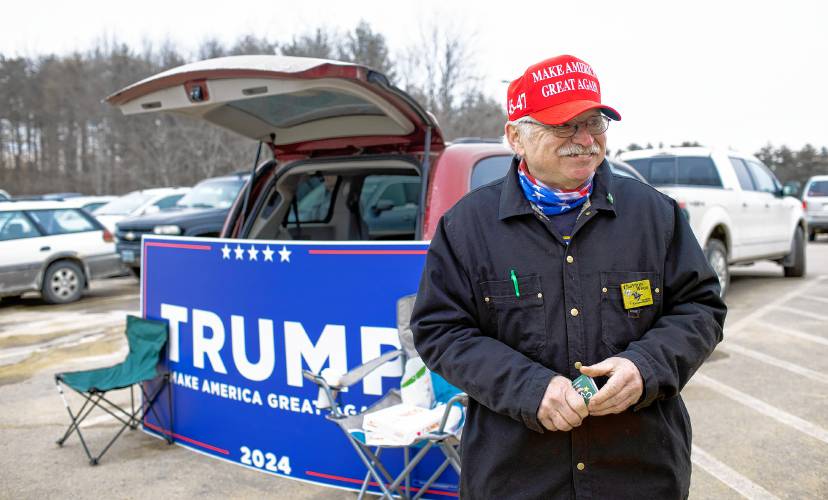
x,y
738,210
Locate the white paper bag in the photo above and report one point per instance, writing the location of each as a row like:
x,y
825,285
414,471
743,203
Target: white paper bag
x,y
400,424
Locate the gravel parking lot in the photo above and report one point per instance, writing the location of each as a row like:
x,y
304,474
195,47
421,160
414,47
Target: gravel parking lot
x,y
759,406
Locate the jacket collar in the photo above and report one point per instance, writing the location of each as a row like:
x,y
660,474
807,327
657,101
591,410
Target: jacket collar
x,y
602,197
513,202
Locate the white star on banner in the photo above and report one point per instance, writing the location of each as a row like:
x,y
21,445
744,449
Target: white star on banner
x,y
239,252
539,195
253,253
225,252
268,254
284,253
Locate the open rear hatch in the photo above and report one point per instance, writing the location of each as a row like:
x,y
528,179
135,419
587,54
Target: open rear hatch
x,y
296,105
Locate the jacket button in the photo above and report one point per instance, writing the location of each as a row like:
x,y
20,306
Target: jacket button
x,y
578,365
573,312
604,290
588,213
486,299
570,259
581,466
657,290
540,295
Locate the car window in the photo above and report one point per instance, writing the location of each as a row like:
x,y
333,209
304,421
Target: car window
x,y
490,169
818,188
395,193
313,198
15,226
697,171
212,194
400,190
642,166
62,221
91,207
662,171
389,205
168,201
124,205
289,110
742,174
764,180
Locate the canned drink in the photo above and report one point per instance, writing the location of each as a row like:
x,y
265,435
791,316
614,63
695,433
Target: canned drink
x,y
586,387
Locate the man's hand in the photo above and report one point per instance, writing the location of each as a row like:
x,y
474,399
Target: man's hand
x,y
561,408
623,388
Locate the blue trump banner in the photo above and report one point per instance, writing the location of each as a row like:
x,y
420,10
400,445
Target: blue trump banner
x,y
246,317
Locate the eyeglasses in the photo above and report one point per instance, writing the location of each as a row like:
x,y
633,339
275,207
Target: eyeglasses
x,y
595,125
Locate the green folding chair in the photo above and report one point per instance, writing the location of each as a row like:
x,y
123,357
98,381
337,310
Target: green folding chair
x,y
147,339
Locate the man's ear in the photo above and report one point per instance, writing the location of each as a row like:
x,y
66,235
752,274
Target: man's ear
x,y
514,139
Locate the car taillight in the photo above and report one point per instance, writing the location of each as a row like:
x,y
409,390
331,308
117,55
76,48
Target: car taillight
x,y
683,208
804,205
107,236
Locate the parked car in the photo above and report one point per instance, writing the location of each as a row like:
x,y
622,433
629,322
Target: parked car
x,y
200,212
145,201
737,208
815,204
53,249
327,122
47,197
4,195
88,203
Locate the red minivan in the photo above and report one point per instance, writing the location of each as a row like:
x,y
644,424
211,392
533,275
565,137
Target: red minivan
x,y
351,156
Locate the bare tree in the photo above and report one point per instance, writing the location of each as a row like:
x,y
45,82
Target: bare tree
x,y
320,43
252,45
440,72
364,46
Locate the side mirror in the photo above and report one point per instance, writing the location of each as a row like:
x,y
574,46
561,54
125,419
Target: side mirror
x,y
382,206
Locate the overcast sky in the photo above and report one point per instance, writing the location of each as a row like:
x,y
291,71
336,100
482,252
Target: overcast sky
x,y
727,73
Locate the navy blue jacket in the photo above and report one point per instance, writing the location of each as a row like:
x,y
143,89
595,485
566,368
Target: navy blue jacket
x,y
503,349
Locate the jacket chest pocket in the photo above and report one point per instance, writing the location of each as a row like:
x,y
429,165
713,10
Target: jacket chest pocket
x,y
624,322
520,319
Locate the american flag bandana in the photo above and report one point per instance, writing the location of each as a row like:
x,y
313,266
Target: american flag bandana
x,y
549,200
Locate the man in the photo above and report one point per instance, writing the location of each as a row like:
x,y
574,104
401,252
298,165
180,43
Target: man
x,y
562,269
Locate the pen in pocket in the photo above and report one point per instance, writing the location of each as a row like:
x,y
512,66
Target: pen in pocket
x,y
514,282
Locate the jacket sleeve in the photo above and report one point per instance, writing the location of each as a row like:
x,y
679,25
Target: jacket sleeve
x,y
448,338
691,321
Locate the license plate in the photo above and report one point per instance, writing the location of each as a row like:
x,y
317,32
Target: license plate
x,y
127,256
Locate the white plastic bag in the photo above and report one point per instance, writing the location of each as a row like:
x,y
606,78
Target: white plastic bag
x,y
415,387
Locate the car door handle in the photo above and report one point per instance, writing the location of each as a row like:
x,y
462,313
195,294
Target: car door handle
x,y
45,249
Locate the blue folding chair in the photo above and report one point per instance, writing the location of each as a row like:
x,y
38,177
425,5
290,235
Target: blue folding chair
x,y
352,425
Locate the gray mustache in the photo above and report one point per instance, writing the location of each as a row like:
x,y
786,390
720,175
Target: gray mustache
x,y
577,149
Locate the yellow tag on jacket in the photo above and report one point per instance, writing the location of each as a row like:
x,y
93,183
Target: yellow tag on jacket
x,y
636,294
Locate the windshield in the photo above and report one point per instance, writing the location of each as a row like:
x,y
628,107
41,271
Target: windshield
x,y
818,188
124,205
212,194
678,171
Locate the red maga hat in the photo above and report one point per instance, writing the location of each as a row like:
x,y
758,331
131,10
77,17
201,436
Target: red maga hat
x,y
556,90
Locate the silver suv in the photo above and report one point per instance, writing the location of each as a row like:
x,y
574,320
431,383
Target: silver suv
x,y
815,204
